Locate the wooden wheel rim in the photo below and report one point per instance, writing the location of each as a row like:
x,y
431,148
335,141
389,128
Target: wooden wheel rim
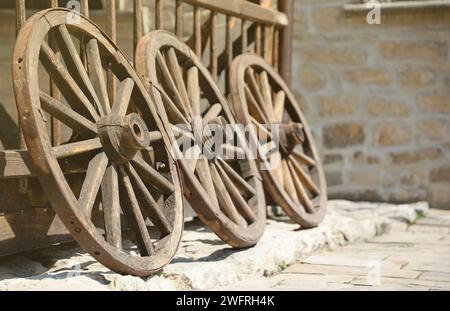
x,y
228,230
47,167
294,209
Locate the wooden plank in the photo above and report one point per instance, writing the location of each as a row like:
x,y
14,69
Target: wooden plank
x,y
15,163
197,32
30,230
137,33
213,46
158,14
243,9
179,19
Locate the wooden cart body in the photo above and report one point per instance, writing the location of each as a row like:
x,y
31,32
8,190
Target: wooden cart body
x,y
27,220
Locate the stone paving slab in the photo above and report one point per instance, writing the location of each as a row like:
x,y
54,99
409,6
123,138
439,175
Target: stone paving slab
x,y
405,259
322,270
205,262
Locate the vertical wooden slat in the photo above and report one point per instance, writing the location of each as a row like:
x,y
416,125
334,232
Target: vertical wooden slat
x,y
111,19
20,15
20,20
213,45
55,124
112,33
137,34
244,36
197,31
158,14
258,39
228,50
179,19
276,42
85,8
268,43
285,43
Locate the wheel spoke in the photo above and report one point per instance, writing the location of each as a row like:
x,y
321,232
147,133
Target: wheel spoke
x,y
278,109
170,84
302,196
230,152
262,130
193,87
155,136
66,84
175,115
75,65
254,108
91,185
204,175
152,176
254,88
191,157
123,97
58,110
268,149
303,158
71,149
267,95
154,211
225,201
177,74
240,182
304,177
134,215
213,112
97,74
111,207
289,182
239,200
180,132
278,169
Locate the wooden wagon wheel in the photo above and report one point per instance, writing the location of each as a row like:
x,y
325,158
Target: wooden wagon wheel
x,y
292,172
227,194
113,162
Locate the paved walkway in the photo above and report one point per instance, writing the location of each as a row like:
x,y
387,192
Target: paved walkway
x,y
415,257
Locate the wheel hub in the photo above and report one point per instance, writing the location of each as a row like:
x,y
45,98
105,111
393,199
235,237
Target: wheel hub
x,y
123,136
291,135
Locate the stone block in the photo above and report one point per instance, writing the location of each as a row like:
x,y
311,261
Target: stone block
x,y
440,174
342,56
369,178
329,159
433,130
333,178
415,76
415,156
327,19
389,134
311,79
368,76
332,106
414,50
360,158
343,135
436,103
383,107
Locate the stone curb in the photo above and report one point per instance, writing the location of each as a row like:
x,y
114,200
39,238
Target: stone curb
x,y
203,261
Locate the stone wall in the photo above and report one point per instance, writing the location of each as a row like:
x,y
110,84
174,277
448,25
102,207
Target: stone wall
x,y
378,99
377,96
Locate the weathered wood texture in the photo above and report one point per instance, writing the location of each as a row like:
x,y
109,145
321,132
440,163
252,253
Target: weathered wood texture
x,y
117,142
293,174
225,191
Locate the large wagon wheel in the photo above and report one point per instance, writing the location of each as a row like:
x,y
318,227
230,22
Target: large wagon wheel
x,y
227,194
292,171
111,179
